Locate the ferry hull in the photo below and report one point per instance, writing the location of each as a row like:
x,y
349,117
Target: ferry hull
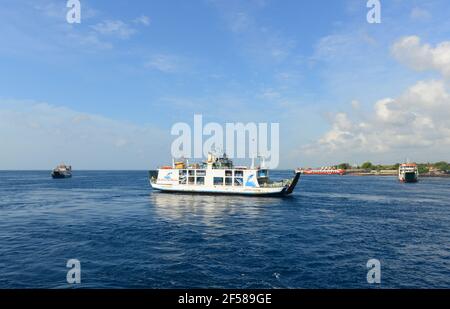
x,y
250,194
409,178
57,175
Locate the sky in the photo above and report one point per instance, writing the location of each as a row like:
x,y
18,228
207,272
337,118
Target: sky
x,y
104,93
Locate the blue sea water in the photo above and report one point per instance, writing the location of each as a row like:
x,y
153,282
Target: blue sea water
x,y
128,236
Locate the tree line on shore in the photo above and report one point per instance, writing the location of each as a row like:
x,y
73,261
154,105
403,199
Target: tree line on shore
x,y
440,166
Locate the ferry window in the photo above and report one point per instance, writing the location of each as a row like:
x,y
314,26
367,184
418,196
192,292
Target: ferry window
x,y
182,180
218,181
183,172
228,181
238,181
201,173
200,180
262,173
239,173
228,173
191,172
191,180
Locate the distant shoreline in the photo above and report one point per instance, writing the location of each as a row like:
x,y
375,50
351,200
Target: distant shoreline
x,y
394,175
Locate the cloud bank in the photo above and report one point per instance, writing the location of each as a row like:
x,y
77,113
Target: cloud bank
x,y
39,136
421,57
414,124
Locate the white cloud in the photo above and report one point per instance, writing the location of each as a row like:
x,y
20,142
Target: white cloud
x,y
261,42
356,105
421,57
417,120
270,94
344,46
58,10
142,20
331,46
114,28
420,14
38,135
164,63
52,9
90,40
239,22
414,123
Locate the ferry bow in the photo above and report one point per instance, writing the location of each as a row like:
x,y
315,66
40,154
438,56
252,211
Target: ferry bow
x,y
218,175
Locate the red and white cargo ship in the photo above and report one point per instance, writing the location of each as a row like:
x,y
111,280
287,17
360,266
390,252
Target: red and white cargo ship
x,y
322,171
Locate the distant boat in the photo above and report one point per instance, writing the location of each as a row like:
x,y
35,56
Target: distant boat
x,y
219,176
62,171
322,171
408,172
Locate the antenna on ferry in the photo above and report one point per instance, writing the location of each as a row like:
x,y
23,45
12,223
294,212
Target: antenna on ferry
x,y
262,160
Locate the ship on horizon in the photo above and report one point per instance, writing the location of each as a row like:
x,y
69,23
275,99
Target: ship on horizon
x,y
62,171
321,171
218,175
408,172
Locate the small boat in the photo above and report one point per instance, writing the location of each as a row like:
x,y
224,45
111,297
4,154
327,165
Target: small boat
x,y
322,171
408,172
62,171
218,175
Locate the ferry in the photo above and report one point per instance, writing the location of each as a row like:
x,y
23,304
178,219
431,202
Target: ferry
x,y
408,172
218,175
62,171
322,171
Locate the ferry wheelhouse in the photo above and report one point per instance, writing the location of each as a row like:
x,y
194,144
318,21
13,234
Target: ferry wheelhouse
x,y
218,175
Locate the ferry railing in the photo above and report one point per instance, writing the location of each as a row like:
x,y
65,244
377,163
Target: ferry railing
x,y
276,184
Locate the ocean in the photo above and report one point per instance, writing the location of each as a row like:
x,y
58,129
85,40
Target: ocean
x,y
127,236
